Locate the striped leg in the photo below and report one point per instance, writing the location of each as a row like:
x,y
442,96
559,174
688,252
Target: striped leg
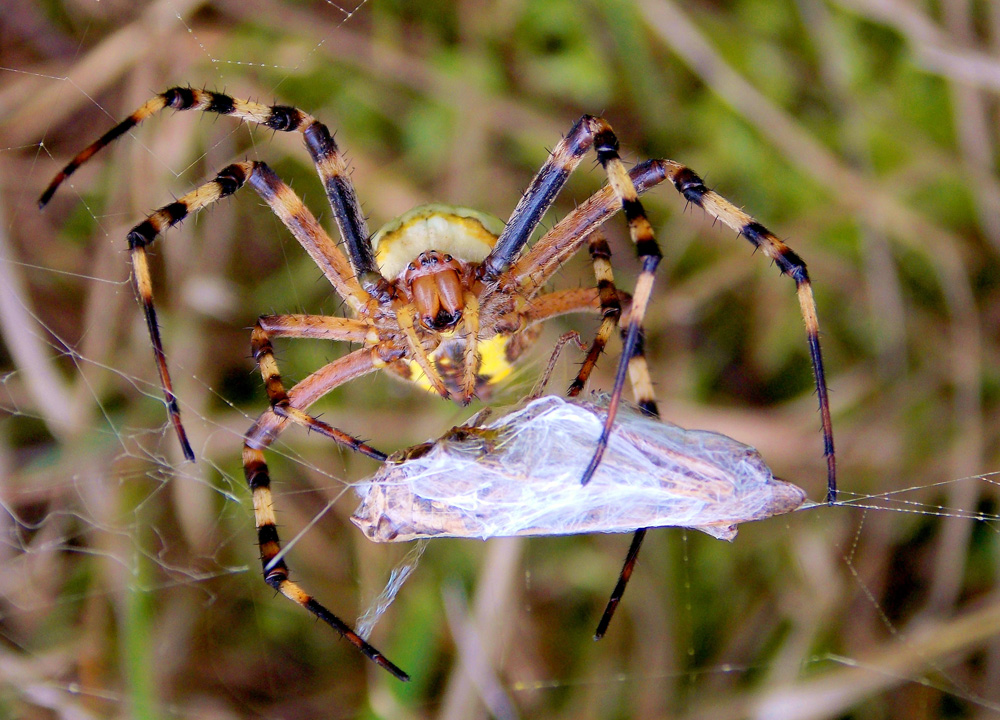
x,y
589,132
282,118
263,353
534,269
259,437
649,255
642,387
611,309
693,189
285,204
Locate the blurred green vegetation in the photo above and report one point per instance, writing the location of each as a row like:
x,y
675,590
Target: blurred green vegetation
x,y
864,133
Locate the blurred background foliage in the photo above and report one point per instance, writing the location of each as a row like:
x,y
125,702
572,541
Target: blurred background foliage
x,y
863,131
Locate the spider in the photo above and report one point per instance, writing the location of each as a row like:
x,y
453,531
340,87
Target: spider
x,y
447,298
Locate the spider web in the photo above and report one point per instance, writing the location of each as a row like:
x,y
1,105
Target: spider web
x,y
132,585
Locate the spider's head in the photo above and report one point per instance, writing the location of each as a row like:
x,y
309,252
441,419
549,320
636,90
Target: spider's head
x,y
433,282
429,253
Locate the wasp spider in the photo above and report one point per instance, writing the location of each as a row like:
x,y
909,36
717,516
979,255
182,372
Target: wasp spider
x,y
445,297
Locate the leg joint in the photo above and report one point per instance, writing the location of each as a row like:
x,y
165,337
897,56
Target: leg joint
x,y
180,98
230,179
284,118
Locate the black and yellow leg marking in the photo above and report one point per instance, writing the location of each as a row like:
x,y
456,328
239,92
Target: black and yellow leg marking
x,y
693,189
536,267
648,251
538,198
540,194
611,309
263,354
276,570
148,108
642,387
589,132
285,204
263,432
310,234
334,173
282,118
226,183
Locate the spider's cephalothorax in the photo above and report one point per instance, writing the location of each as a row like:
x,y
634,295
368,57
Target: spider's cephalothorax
x,y
431,256
445,297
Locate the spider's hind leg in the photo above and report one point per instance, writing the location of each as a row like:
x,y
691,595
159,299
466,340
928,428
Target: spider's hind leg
x,y
642,387
274,567
259,437
263,353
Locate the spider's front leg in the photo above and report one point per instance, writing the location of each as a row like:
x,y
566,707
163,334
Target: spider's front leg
x,y
588,133
267,428
285,204
535,267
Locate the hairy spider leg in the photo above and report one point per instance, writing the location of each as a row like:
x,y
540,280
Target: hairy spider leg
x,y
263,353
534,269
642,388
359,281
304,226
693,189
289,209
611,309
264,432
282,118
588,133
